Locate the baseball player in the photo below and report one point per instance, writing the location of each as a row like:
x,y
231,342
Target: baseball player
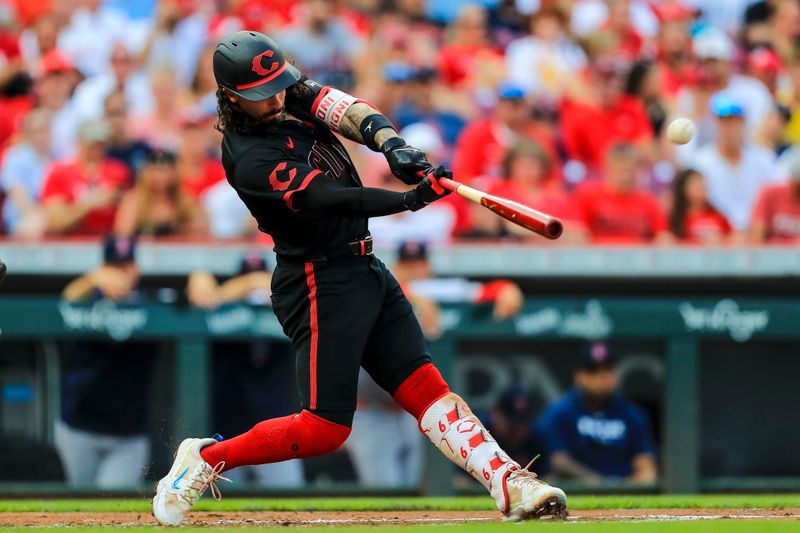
x,y
337,302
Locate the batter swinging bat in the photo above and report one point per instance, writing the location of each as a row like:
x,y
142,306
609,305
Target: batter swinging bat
x,y
517,213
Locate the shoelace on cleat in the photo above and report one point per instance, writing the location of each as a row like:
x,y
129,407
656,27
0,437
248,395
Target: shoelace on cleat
x,y
526,475
206,478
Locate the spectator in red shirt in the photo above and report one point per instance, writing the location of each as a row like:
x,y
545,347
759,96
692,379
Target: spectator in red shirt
x,y
80,196
619,28
197,168
674,47
615,209
692,218
525,168
470,51
604,116
482,145
776,217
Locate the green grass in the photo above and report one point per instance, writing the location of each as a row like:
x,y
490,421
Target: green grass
x,y
472,503
611,527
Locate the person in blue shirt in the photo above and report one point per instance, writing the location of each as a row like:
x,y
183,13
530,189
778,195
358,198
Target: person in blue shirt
x,y
422,106
594,434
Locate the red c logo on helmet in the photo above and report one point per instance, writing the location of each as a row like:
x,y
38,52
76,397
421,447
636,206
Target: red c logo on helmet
x,y
259,69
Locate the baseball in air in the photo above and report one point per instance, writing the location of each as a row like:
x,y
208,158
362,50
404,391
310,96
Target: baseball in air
x,y
680,131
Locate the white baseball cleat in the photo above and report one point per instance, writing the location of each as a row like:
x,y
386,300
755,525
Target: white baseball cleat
x,y
522,496
186,481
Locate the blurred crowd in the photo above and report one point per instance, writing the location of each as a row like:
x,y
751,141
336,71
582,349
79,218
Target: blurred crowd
x,y
107,110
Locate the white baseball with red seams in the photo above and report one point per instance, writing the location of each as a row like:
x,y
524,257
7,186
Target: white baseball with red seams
x,y
460,436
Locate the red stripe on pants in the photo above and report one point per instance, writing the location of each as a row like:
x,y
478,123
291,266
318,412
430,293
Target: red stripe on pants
x,y
312,364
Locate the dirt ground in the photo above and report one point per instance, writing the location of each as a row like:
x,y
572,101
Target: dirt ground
x,y
261,519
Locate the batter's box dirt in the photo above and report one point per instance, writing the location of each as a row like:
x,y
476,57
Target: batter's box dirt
x,y
373,518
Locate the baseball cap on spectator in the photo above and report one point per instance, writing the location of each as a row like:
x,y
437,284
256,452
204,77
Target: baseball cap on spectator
x,y
426,74
612,65
713,43
162,157
397,71
254,261
764,60
193,118
673,12
94,131
56,62
412,251
509,90
119,250
516,405
724,105
425,137
596,356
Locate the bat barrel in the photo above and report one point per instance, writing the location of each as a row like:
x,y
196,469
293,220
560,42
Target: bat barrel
x,y
519,214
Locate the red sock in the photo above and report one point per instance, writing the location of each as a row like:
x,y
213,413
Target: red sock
x,y
423,387
279,439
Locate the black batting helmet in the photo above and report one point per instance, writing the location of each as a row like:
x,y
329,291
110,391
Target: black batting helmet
x,y
252,65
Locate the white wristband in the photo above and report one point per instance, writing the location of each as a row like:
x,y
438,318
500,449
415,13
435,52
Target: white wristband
x,y
332,107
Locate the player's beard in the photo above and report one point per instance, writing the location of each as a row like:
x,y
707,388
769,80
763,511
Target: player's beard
x,y
273,119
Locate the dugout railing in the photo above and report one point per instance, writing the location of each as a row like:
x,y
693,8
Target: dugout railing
x,y
703,349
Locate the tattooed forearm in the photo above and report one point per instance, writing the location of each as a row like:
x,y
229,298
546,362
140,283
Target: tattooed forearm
x,y
351,124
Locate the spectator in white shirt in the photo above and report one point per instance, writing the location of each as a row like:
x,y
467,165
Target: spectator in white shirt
x,y
322,44
544,61
176,40
734,167
22,176
90,95
715,51
53,89
88,37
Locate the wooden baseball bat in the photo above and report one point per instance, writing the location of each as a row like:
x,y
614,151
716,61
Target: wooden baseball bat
x,y
521,215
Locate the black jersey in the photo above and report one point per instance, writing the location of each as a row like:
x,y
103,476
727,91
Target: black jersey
x,y
269,172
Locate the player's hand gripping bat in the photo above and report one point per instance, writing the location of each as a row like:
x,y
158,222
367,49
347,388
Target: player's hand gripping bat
x,y
519,214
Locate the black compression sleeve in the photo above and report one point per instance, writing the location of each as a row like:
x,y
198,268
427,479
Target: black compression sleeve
x,y
324,196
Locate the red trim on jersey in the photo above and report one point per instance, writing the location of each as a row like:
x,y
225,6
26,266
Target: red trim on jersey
x,y
492,289
263,80
312,365
288,196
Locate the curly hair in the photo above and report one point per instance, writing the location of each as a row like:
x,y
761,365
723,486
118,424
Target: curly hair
x,y
231,116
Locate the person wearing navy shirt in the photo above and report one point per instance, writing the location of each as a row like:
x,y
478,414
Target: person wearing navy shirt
x,y
594,434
